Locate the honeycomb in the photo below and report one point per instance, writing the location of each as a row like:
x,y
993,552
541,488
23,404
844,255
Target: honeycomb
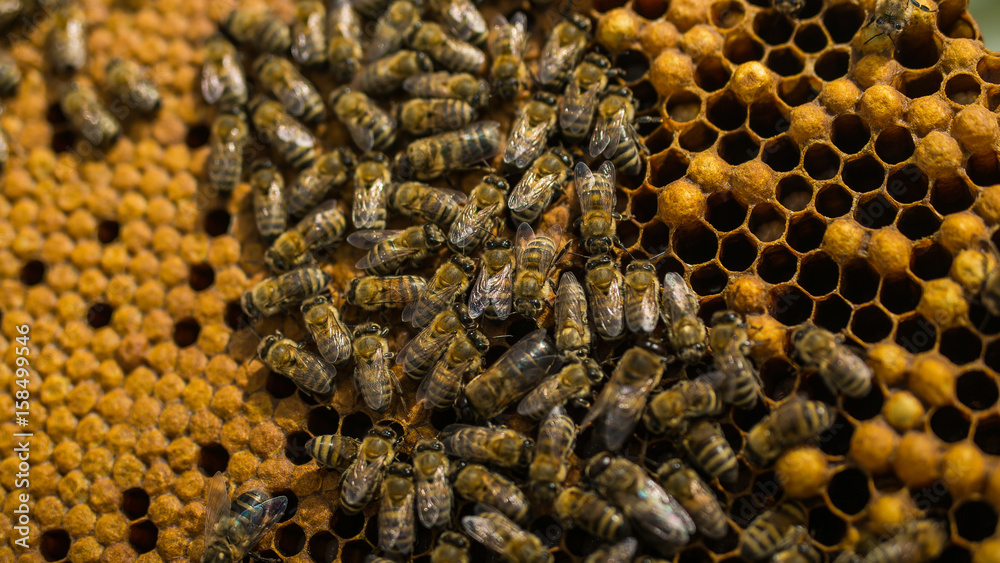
x,y
800,174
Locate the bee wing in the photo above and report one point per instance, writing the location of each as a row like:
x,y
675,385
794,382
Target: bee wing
x,y
360,477
362,136
554,58
532,188
493,533
583,179
570,302
525,234
426,84
312,373
661,514
607,133
609,198
577,104
310,229
368,238
678,300
339,337
464,18
428,493
606,308
492,290
373,259
368,201
292,132
519,33
411,352
212,86
526,141
260,518
648,315
469,221
293,96
435,300
216,504
622,551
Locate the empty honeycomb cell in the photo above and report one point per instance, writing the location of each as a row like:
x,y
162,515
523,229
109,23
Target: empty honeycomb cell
x,y
659,140
777,264
977,390
810,38
766,222
859,282
785,61
819,274
107,231
985,323
768,118
725,213
917,47
987,435
832,65
279,386
916,334
666,168
781,154
698,137
833,200
54,545
849,490
866,407
871,324
356,425
738,252
773,27
850,134
899,294
142,536
99,315
32,273
918,222
984,168
135,503
975,520
712,74
778,377
695,244
960,345
741,48
628,233
826,527
789,305
217,222
634,63
963,89
805,232
708,280
726,112
794,193
894,145
684,106
186,332
739,147
950,424
323,547
907,184
799,90
842,21
930,261
290,540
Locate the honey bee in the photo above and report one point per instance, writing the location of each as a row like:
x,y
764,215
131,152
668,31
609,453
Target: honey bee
x,y
344,34
658,517
451,547
841,368
261,28
688,399
309,42
423,350
459,86
323,322
919,541
371,181
604,283
450,280
622,400
642,290
396,530
364,476
370,126
273,294
387,74
506,45
535,256
321,228
730,345
571,329
708,449
679,310
496,445
614,135
531,130
333,451
695,496
548,469
228,137
331,170
66,43
283,132
434,205
464,356
290,359
424,116
576,109
430,157
515,373
492,293
773,530
268,187
434,496
499,534
562,50
793,422
281,79
596,193
233,529
572,382
621,552
476,483
375,293
222,79
590,512
801,551
463,18
388,251
452,54
372,375
788,7
538,186
481,215
10,75
392,28
131,85
371,8
88,115
891,16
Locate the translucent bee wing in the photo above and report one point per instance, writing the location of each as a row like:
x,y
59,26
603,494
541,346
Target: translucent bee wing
x,y
607,133
493,533
429,511
525,234
519,33
607,170
258,520
312,232
375,259
367,239
622,414
464,18
554,233
532,188
431,299
648,315
410,353
457,196
468,223
370,377
212,86
362,136
576,105
570,301
492,290
340,339
622,551
661,514
216,504
361,476
554,58
678,300
526,141
368,202
583,179
312,374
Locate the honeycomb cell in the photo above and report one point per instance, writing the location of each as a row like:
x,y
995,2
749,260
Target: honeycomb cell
x,y
768,118
323,547
659,140
918,222
805,232
665,169
899,294
842,21
201,276
975,520
135,503
916,334
826,527
356,551
894,145
871,324
987,435
712,74
859,282
54,545
781,154
290,540
963,89
186,332
930,261
738,252
789,305
741,48
142,536
917,48
696,244
279,386
850,134
777,264
295,449
921,84
708,280
819,274
217,222
960,345
785,61
766,222
833,64
977,390
32,273
99,315
726,112
727,14
849,491
984,168
725,213
739,147
107,231
356,425
950,424
866,407
907,184
698,137
773,27
794,193
655,238
833,200
796,91
635,64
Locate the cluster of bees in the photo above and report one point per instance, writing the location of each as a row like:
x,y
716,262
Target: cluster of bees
x,y
574,95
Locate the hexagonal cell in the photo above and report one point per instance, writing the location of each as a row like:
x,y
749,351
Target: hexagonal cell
x,y
666,168
985,323
683,106
810,8
709,280
781,154
741,48
356,425
832,65
135,503
849,490
279,386
642,205
768,118
799,90
918,222
819,274
984,168
871,324
977,390
975,520
290,540
832,313
725,212
698,137
295,448
201,276
837,440
907,184
875,212
849,133
785,61
99,315
726,112
963,89
213,458
777,264
322,421
767,222
32,273
805,232
655,238
794,193
358,550
54,545
833,201
773,27
859,282
739,147
900,294
323,547
917,47
695,244
842,21
826,527
930,261
810,38
142,536
186,332
628,233
659,140
863,174
712,74
932,497
650,9
727,14
920,84
217,222
866,407
950,424
789,305
960,345
738,252
916,334
894,145
821,162
778,377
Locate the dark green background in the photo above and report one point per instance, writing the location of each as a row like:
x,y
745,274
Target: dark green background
x,y
987,13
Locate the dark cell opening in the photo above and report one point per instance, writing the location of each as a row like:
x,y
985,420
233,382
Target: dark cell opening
x,y
950,424
738,252
357,551
962,89
346,525
135,503
708,280
766,222
819,274
954,554
777,264
987,435
698,554
850,134
666,168
976,520
821,162
817,389
634,63
726,112
650,9
725,212
842,21
984,168
810,9
741,49
642,206
737,148
832,65
323,547
900,295
773,27
698,137
197,136
217,222
800,90
781,154
779,378
142,536
859,282
290,539
867,407
960,345
212,459
833,201
323,421
711,74
805,232
696,244
581,543
279,386
99,315
932,497
794,193
848,490
810,38
918,222
989,69
907,184
825,527
875,212
832,313
356,425
920,84
54,114
863,174
894,145
235,318
789,305
548,529
628,233
32,273
916,334
931,262
295,448
727,14
201,276
977,390
767,118
951,195
871,324
186,332
655,238
107,231
659,140
785,62
982,319
745,419
837,440
63,141
917,47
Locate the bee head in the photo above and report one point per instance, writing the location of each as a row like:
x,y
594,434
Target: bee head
x,y
598,465
580,21
347,158
479,340
457,540
640,265
563,156
403,167
597,261
622,91
462,312
544,97
314,301
498,243
670,467
385,432
799,334
248,306
430,446
598,60
433,236
725,317
262,164
267,343
464,263
401,470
